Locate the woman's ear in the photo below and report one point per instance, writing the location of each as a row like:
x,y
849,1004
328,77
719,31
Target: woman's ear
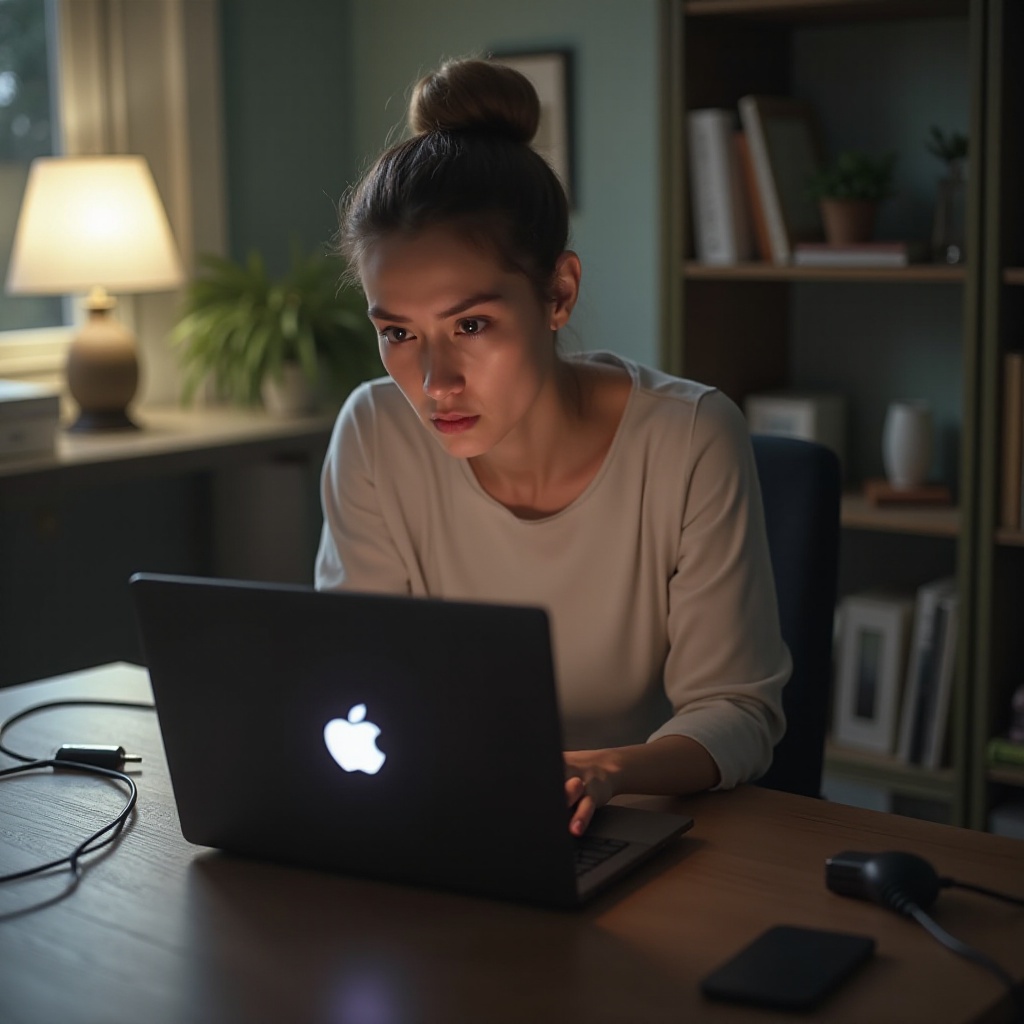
x,y
565,288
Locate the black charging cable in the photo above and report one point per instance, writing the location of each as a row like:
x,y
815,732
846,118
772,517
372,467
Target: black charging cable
x,y
908,885
103,761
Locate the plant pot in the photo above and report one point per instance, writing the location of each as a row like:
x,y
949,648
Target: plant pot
x,y
849,221
293,394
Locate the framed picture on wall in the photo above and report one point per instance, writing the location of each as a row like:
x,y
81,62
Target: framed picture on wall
x,y
550,73
870,666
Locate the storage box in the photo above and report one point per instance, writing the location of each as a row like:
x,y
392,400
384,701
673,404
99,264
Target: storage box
x,y
29,417
810,417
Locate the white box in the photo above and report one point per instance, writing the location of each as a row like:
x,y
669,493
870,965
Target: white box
x,y
808,416
29,417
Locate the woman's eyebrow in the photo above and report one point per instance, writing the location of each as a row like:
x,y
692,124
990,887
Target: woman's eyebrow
x,y
380,313
474,300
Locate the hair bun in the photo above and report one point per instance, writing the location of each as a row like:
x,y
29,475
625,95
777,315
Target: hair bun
x,y
475,95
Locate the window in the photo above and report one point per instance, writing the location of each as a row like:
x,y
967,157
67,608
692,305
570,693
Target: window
x,y
29,127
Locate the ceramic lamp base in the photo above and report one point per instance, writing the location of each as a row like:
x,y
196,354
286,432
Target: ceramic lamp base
x,y
102,369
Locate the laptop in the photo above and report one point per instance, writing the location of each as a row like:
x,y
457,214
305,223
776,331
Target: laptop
x,y
405,739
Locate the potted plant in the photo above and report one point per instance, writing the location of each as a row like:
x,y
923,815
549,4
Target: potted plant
x,y
949,225
849,191
279,341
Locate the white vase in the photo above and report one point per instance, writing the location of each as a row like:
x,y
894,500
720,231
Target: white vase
x,y
907,443
294,394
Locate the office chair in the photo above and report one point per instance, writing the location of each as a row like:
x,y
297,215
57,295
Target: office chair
x,y
801,487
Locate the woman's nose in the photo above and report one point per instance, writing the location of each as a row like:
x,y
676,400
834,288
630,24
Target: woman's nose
x,y
441,372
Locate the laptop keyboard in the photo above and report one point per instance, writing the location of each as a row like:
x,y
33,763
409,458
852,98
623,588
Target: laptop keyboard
x,y
594,850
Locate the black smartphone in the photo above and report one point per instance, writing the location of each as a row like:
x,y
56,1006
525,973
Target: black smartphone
x,y
789,968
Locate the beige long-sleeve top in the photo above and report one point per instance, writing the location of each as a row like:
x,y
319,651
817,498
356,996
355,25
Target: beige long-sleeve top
x,y
657,578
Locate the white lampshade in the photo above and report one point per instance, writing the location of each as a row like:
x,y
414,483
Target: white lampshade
x,y
92,221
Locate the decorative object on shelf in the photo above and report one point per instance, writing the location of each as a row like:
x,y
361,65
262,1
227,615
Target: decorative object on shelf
x,y
949,225
849,191
808,416
93,223
721,220
881,492
1017,716
929,682
241,329
783,139
907,443
870,663
550,73
1012,448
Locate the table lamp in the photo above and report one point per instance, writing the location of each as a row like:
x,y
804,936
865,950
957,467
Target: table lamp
x,y
89,224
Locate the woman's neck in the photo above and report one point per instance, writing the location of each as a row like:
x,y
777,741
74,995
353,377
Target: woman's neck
x,y
550,460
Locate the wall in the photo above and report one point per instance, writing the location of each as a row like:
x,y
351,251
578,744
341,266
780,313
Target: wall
x,y
314,87
287,97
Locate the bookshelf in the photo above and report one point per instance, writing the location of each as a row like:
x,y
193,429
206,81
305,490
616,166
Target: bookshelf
x,y
880,72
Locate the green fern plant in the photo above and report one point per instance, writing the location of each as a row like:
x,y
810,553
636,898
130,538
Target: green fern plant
x,y
239,325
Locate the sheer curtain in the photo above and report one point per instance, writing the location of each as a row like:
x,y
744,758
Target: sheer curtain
x,y
143,78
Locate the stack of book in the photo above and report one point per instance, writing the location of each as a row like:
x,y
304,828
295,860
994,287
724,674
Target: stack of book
x,y
748,180
29,417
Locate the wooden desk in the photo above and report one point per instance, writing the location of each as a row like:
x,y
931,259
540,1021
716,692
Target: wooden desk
x,y
159,931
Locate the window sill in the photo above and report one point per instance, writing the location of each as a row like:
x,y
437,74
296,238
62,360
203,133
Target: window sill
x,y
26,353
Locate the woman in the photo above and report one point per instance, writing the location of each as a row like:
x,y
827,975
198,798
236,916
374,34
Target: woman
x,y
487,466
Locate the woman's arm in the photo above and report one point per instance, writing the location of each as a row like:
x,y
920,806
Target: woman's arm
x,y
357,550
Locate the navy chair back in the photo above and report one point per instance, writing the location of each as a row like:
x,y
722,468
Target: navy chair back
x,y
801,489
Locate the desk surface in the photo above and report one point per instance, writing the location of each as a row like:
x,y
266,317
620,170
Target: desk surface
x,y
161,931
171,437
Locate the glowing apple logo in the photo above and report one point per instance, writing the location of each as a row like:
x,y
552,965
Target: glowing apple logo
x,y
352,742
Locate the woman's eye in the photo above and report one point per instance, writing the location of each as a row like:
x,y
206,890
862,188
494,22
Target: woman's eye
x,y
471,325
395,334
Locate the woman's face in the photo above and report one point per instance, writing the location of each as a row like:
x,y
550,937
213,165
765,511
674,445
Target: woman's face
x,y
468,342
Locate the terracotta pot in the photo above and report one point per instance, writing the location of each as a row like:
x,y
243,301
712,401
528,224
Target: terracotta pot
x,y
848,221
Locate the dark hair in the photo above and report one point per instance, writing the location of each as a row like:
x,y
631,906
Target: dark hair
x,y
468,164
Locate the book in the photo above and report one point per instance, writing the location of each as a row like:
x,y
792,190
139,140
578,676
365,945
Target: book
x,y
1012,450
784,150
939,695
29,417
762,240
720,219
1003,751
924,670
859,254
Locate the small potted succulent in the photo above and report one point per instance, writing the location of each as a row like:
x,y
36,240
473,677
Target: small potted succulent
x,y
849,191
285,341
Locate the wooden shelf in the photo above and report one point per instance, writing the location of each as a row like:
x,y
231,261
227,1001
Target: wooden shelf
x,y
917,273
1013,275
1012,538
824,10
890,773
860,514
1007,775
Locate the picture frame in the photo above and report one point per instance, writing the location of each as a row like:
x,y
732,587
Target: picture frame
x,y
870,668
550,73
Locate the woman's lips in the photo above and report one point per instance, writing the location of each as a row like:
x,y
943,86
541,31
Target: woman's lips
x,y
454,423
